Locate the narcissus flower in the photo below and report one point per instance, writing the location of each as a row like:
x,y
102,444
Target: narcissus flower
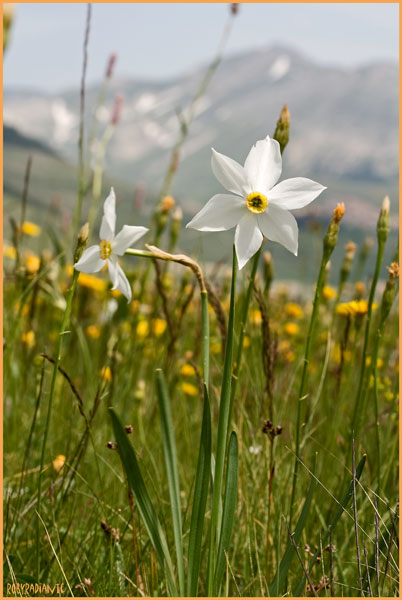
x,y
110,247
257,206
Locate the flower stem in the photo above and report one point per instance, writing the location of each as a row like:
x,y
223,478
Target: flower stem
x,y
356,412
242,332
205,336
224,407
301,396
62,332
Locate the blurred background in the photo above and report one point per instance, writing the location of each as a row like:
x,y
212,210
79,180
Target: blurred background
x,y
334,65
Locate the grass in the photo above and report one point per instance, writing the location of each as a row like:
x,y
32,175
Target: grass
x,y
79,498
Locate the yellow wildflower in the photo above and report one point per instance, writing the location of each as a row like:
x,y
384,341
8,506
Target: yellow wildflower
x,y
387,381
189,389
216,348
116,293
291,328
389,396
336,354
187,370
91,282
256,317
134,306
93,331
142,329
283,346
106,374
380,362
328,292
159,326
28,339
294,310
355,307
58,462
9,252
30,229
360,289
246,341
290,356
32,263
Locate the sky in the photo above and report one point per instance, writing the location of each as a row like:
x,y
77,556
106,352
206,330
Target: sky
x,y
158,41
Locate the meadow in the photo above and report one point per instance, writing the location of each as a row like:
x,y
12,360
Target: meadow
x,y
222,433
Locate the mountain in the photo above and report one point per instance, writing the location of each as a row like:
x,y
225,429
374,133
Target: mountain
x,y
344,133
344,121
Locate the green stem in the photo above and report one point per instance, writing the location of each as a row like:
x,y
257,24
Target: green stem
x,y
377,422
222,432
242,332
62,332
301,398
357,406
205,336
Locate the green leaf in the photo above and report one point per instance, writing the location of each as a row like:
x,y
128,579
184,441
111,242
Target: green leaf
x,y
200,499
281,573
341,507
169,448
143,501
229,507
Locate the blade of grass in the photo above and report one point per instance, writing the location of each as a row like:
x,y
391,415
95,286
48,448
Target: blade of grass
x,y
341,507
143,501
283,568
229,507
224,408
169,448
200,499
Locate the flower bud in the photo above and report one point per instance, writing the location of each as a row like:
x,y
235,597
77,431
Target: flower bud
x,y
110,65
118,103
81,242
281,134
177,218
331,237
350,250
234,8
8,15
389,291
383,222
166,204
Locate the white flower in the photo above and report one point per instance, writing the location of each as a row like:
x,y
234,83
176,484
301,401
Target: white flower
x,y
110,247
259,207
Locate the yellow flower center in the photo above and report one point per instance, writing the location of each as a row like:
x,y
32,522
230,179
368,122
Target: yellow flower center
x,y
105,249
257,202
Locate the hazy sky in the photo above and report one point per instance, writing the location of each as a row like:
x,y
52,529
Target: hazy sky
x,y
161,40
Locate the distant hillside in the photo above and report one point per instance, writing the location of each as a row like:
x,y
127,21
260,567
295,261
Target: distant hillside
x,y
12,137
344,121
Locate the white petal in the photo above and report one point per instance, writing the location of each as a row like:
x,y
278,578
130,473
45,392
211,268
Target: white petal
x,y
113,273
220,213
108,224
90,261
230,174
123,284
264,165
279,225
295,193
126,237
248,238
